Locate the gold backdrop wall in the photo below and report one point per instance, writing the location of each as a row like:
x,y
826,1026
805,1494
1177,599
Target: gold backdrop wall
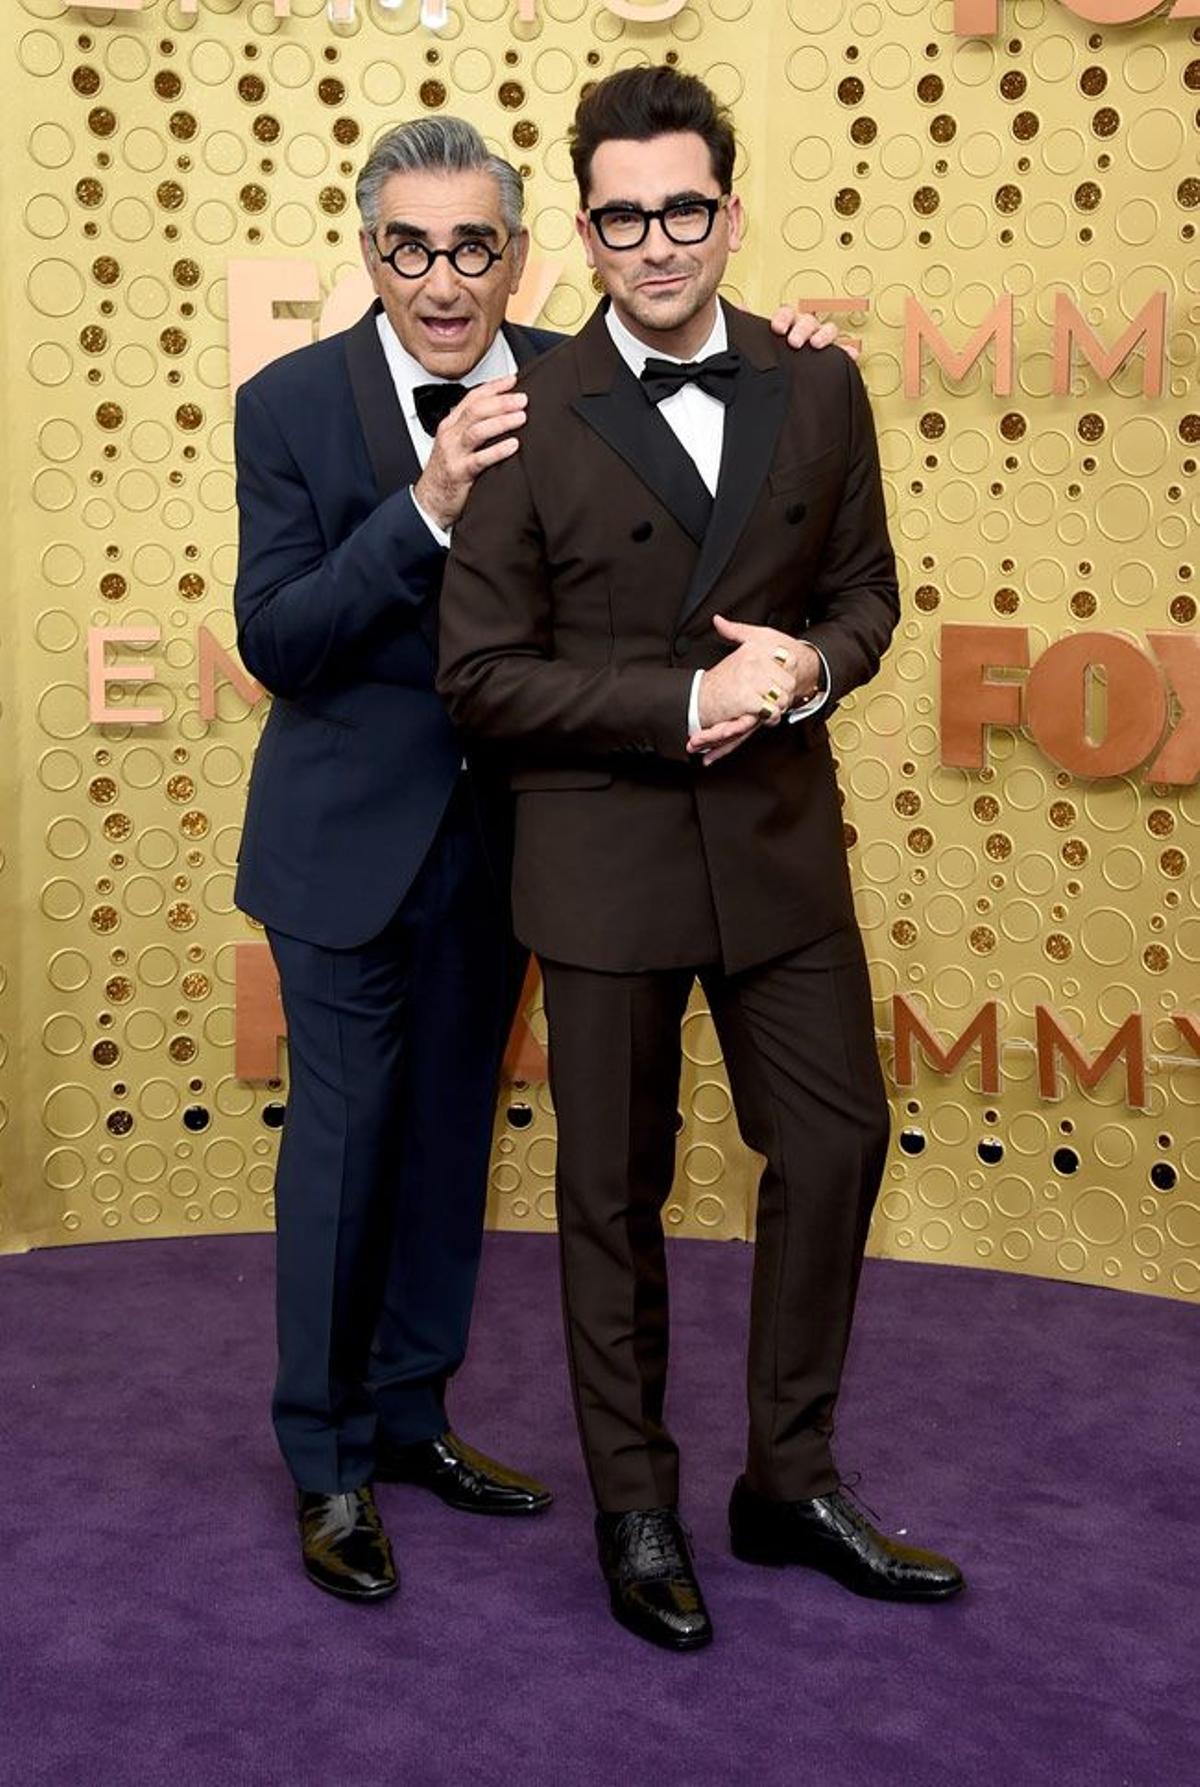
x,y
884,158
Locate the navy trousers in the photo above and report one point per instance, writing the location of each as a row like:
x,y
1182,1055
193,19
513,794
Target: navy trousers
x,y
394,1050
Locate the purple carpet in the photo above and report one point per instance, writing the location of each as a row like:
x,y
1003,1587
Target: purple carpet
x,y
155,1627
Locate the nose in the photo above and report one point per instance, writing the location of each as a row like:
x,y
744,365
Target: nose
x,y
658,245
441,281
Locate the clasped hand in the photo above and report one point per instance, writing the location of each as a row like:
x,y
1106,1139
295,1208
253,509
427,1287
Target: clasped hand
x,y
754,685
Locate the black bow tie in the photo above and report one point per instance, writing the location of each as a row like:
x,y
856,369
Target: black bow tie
x,y
434,403
717,375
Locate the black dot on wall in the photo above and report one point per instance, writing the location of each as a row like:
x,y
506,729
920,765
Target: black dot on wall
x,y
520,1116
1066,1160
273,1114
196,1117
1163,1176
990,1150
912,1141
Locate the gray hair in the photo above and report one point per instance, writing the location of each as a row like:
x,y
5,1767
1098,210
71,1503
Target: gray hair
x,y
436,145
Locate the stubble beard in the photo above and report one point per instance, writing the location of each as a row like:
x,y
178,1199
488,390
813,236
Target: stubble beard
x,y
667,315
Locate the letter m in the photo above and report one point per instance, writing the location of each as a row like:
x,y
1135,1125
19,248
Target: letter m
x,y
910,1027
1149,326
920,330
1127,1040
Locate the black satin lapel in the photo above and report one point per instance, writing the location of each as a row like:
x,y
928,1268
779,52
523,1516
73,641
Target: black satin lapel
x,y
389,444
520,346
752,425
632,427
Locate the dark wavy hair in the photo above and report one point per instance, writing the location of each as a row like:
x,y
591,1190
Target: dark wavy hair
x,y
636,104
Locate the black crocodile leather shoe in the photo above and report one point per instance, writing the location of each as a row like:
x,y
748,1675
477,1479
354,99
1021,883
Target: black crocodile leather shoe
x,y
344,1546
652,1587
460,1476
833,1535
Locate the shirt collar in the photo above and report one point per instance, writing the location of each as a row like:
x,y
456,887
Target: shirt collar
x,y
635,353
407,371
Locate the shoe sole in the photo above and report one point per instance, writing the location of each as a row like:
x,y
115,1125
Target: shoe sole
x,y
469,1507
367,1597
676,1645
746,1555
498,1513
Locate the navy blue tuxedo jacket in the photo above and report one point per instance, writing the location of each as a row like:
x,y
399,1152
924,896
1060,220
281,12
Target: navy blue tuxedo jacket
x,y
336,602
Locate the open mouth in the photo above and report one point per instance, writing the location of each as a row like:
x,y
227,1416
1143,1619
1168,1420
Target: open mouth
x,y
449,330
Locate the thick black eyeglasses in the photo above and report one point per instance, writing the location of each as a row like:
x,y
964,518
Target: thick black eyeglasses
x,y
686,222
471,259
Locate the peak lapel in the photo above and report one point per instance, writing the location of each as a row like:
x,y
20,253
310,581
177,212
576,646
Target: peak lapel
x,y
389,445
520,346
752,425
615,406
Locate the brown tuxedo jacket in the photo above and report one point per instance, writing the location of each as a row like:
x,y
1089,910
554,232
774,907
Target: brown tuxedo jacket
x,y
577,606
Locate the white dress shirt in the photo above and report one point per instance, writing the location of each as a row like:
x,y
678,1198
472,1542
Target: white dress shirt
x,y
698,424
407,373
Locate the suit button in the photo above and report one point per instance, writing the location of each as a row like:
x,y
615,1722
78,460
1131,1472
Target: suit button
x,y
773,617
642,532
681,645
796,512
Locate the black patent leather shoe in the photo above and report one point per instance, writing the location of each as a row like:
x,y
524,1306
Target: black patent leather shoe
x,y
652,1587
460,1477
344,1547
832,1534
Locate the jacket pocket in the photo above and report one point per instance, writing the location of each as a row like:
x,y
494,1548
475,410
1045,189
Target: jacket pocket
x,y
528,781
796,472
298,712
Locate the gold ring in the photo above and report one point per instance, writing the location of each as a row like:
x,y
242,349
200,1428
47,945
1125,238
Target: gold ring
x,y
781,657
771,695
767,713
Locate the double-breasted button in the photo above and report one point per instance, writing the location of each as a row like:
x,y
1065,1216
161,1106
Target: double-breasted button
x,y
681,645
796,512
642,532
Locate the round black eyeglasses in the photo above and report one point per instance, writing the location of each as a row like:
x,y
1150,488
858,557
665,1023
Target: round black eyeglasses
x,y
686,222
470,259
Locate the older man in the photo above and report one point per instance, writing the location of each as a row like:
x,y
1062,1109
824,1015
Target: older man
x,y
376,856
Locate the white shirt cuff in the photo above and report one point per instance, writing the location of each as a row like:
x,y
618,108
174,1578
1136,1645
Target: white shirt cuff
x,y
440,534
694,705
815,702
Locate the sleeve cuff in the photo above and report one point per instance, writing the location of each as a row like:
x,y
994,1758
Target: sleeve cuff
x,y
693,712
440,534
816,702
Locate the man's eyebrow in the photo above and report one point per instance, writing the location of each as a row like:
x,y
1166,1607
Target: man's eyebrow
x,y
674,198
412,232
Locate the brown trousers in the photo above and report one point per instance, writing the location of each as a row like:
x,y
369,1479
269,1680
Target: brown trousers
x,y
799,1044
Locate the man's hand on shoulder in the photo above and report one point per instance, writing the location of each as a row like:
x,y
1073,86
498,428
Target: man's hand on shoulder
x,y
476,434
802,329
